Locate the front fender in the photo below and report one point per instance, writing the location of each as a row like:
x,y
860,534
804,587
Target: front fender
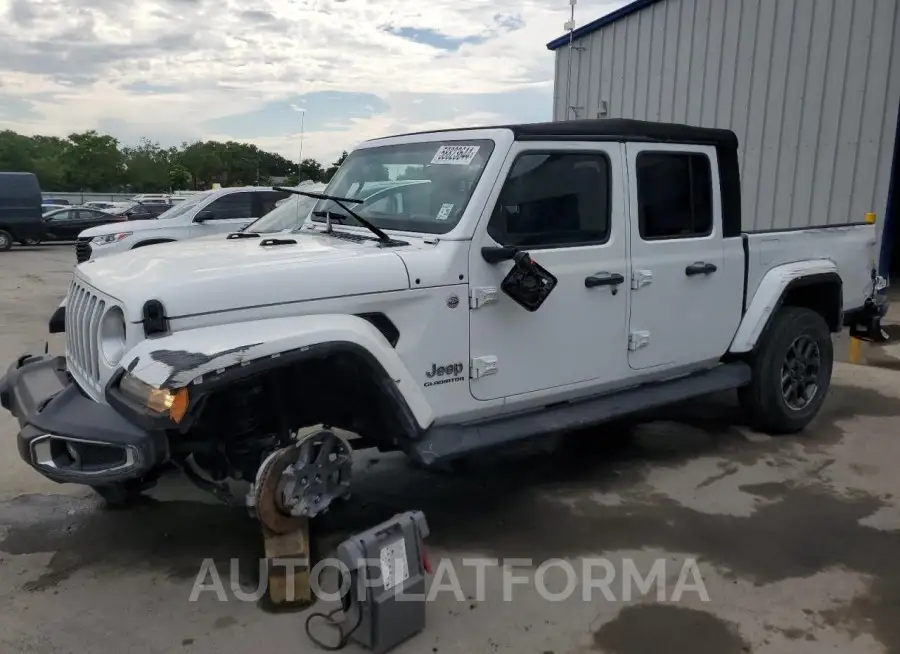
x,y
174,361
769,294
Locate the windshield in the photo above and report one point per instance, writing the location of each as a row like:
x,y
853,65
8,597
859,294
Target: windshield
x,y
288,213
182,207
415,187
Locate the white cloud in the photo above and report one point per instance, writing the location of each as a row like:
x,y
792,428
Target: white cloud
x,y
74,59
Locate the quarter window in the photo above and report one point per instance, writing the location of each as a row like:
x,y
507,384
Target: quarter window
x,y
674,195
554,200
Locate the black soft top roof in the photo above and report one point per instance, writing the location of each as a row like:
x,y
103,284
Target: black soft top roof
x,y
613,129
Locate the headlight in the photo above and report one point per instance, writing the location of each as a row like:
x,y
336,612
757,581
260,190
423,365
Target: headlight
x,y
158,400
110,238
112,336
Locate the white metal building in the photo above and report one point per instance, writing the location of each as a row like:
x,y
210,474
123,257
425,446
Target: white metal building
x,y
810,87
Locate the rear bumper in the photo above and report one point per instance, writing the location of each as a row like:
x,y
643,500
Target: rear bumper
x,y
68,437
865,322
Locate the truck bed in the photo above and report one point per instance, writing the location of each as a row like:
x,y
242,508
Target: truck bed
x,y
852,248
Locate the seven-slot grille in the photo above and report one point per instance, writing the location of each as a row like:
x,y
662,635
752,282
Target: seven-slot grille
x,y
84,309
83,249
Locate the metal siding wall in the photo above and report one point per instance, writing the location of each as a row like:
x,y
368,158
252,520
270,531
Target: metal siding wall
x,y
810,87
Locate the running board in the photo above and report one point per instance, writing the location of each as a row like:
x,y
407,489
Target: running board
x,y
452,441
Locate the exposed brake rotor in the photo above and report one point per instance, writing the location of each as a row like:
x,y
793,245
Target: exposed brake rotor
x,y
302,480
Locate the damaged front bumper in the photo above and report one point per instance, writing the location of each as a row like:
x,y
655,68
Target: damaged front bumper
x,y
68,437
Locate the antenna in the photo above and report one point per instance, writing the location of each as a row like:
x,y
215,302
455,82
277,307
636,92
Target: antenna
x,y
569,26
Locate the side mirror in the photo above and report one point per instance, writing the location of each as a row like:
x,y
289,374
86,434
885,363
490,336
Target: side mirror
x,y
203,216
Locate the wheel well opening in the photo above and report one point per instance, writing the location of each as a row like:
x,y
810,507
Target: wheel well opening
x,y
822,297
342,389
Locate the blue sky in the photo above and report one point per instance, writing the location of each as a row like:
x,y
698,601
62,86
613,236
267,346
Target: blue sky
x,y
175,70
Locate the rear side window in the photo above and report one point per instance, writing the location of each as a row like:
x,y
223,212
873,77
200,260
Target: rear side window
x,y
233,205
554,199
674,195
268,200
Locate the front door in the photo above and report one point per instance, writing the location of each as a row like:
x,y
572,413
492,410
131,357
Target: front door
x,y
686,302
564,204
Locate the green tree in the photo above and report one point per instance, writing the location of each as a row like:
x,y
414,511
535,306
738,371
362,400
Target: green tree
x,y
179,177
146,167
93,162
310,169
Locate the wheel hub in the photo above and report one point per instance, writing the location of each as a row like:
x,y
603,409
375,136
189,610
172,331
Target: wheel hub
x,y
302,480
800,373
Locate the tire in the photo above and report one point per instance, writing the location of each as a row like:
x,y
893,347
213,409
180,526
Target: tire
x,y
791,372
6,240
120,495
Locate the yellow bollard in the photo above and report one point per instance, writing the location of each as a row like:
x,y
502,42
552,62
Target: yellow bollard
x,y
855,348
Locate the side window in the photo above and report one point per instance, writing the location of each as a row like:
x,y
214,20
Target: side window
x,y
267,200
233,205
554,200
63,216
674,195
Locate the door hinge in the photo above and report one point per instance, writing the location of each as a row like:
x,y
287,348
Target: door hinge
x,y
637,340
482,367
482,296
641,278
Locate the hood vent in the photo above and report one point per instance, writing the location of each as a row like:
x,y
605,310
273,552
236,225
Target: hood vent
x,y
269,242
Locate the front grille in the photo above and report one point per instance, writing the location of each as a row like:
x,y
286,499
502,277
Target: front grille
x,y
84,308
83,249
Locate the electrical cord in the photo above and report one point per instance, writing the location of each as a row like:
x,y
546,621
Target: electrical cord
x,y
336,624
330,621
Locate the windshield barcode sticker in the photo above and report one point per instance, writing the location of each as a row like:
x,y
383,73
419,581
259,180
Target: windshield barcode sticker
x,y
461,155
444,213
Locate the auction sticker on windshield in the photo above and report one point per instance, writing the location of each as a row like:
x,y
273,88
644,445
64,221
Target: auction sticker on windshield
x,y
461,155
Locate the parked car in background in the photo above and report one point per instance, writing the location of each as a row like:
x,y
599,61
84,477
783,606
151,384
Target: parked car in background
x,y
140,210
47,208
288,214
67,223
220,211
20,209
98,204
62,201
155,198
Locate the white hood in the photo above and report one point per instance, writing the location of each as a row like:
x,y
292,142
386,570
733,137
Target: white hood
x,y
211,275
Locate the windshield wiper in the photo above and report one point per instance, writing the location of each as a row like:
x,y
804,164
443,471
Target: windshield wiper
x,y
382,237
330,215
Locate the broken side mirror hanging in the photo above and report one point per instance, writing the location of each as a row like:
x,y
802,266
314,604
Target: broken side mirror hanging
x,y
528,283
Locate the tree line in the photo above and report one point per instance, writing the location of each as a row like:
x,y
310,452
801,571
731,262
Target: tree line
x,y
90,161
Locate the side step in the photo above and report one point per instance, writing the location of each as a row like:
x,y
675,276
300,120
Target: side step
x,y
452,441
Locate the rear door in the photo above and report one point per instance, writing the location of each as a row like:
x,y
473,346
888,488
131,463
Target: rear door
x,y
682,311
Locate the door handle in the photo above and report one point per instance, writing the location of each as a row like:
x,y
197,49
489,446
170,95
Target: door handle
x,y
603,279
700,268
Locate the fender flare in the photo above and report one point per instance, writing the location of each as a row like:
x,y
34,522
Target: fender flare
x,y
153,241
770,293
177,360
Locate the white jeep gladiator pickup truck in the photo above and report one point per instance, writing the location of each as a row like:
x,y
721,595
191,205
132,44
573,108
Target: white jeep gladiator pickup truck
x,y
537,278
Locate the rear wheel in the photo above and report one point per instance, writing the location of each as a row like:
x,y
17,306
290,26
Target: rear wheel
x,y
791,372
6,240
